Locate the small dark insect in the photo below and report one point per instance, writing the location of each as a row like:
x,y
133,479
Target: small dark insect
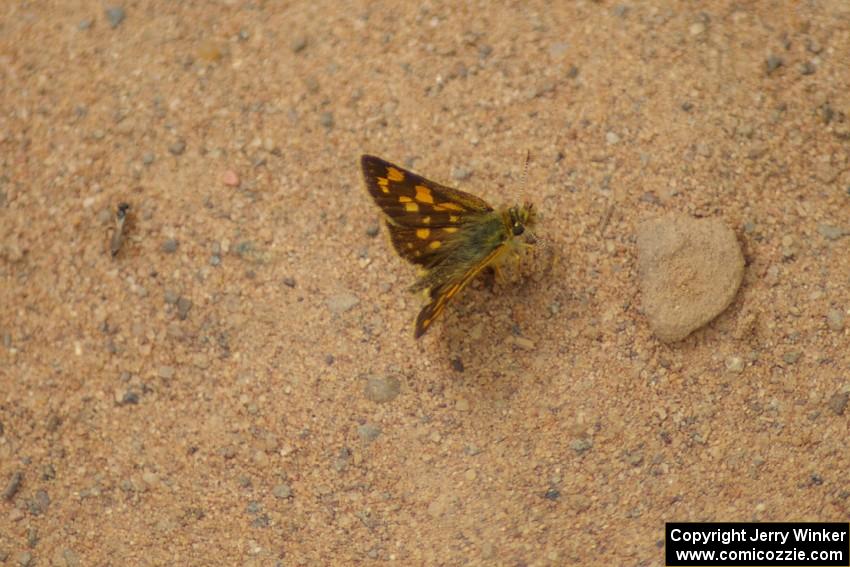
x,y
118,236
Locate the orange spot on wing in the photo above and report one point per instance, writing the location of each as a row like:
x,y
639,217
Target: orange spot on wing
x,y
404,199
448,207
450,229
423,233
394,174
423,195
426,220
411,207
435,244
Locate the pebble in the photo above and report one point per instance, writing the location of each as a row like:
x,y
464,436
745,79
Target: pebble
x,y
558,49
735,364
582,445
612,138
13,485
461,173
773,63
341,302
382,389
689,272
148,158
835,320
831,232
791,357
170,246
84,24
326,119
115,15
230,178
552,494
184,304
372,230
289,281
282,491
165,372
25,559
177,147
39,503
299,43
697,28
368,432
838,402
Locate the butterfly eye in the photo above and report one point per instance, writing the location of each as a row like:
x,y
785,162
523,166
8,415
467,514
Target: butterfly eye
x,y
518,229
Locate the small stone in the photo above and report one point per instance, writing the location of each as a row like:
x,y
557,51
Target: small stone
x,y
177,147
735,364
558,49
831,232
382,389
791,357
71,558
39,503
84,24
165,372
25,559
697,28
299,43
813,46
148,158
581,445
470,475
13,485
773,63
282,491
838,402
552,494
368,432
835,320
372,230
169,246
326,119
457,364
171,296
130,398
612,138
341,302
184,304
115,15
230,178
461,173
808,68
289,281
689,271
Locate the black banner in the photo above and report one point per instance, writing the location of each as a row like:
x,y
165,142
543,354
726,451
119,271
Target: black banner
x,y
693,544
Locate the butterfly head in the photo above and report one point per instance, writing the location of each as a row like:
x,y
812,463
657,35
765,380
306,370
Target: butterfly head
x,y
519,221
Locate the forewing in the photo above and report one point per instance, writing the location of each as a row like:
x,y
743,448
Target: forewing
x,y
425,246
443,292
410,200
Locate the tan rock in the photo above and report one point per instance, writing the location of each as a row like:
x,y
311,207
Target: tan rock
x,y
689,271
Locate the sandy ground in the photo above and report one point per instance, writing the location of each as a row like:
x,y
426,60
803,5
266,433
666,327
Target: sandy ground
x,y
211,395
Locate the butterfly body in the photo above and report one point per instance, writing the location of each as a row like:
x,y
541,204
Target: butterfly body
x,y
451,234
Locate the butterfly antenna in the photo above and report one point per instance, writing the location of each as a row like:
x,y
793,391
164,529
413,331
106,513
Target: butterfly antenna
x,y
525,168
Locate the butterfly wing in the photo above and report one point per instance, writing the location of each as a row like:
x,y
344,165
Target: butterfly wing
x,y
410,200
442,292
431,225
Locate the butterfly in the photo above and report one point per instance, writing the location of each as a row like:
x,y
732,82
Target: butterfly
x,y
451,234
